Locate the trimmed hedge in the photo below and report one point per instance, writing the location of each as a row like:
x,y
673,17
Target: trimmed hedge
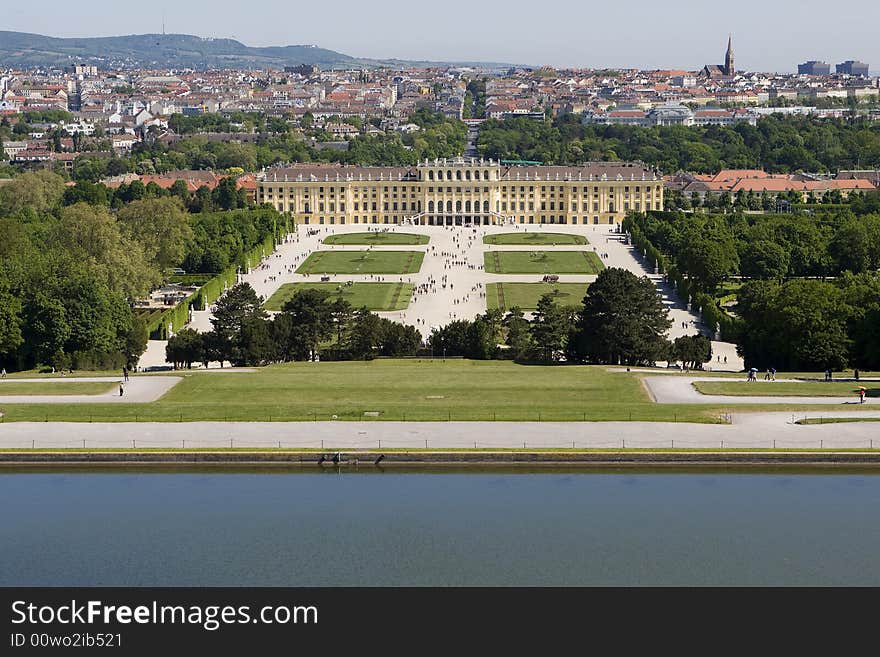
x,y
169,321
713,315
176,318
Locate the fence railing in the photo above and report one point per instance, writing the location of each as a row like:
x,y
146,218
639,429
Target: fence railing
x,y
678,444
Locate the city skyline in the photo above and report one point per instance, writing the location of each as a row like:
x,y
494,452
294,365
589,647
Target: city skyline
x,y
650,36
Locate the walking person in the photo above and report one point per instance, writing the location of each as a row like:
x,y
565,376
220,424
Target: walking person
x,y
121,389
3,374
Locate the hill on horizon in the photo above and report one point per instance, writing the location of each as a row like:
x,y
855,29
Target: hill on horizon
x,y
25,50
20,49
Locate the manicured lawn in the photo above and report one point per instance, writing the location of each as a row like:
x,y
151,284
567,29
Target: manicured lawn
x,y
784,389
12,387
526,239
378,238
418,389
375,296
362,262
525,295
542,262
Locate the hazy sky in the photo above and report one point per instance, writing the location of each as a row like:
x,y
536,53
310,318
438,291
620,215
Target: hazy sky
x,y
767,34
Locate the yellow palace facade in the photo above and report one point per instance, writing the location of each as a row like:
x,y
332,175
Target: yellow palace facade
x,y
461,192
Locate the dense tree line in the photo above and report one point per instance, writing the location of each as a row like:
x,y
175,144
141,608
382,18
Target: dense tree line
x,y
475,99
225,196
11,130
622,321
438,136
309,327
801,324
220,239
227,122
69,273
777,144
709,248
810,283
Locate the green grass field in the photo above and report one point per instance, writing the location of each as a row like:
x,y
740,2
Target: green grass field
x,y
525,239
362,262
418,389
784,389
375,296
542,262
12,387
525,295
378,239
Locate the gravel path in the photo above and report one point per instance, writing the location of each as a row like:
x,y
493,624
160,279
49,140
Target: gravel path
x,y
139,389
680,390
753,431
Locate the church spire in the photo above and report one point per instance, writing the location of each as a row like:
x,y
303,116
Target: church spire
x,y
728,58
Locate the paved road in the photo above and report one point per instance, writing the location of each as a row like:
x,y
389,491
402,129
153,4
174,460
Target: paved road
x,y
139,389
680,390
752,431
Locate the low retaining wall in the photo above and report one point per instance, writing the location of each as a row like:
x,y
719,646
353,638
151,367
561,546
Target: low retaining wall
x,y
403,458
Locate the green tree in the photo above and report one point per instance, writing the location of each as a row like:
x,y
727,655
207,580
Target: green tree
x,y
91,234
851,246
482,342
240,304
708,260
135,341
10,320
257,347
764,260
550,328
226,195
31,194
519,336
311,319
184,348
160,226
399,340
796,325
623,321
366,334
692,350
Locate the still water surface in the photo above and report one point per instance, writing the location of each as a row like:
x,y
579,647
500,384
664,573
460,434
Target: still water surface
x,y
485,528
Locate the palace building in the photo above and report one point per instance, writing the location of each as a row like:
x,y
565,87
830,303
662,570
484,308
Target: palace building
x,y
461,191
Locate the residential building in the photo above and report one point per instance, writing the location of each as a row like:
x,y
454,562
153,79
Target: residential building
x,y
814,68
852,67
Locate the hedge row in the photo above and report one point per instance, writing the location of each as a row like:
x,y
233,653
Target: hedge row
x,y
210,291
171,320
652,254
713,315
